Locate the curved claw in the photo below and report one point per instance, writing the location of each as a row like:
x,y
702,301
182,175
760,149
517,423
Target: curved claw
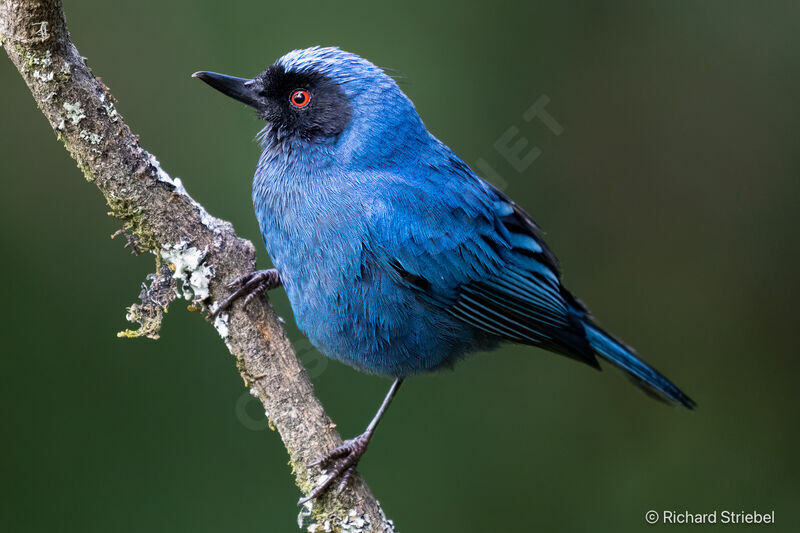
x,y
345,478
348,455
241,279
250,285
339,451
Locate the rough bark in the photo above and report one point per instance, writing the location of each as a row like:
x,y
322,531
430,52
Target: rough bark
x,y
196,254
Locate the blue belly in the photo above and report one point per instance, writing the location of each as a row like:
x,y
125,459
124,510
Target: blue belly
x,y
372,325
349,303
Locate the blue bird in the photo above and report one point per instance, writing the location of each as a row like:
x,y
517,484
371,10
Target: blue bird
x,y
396,257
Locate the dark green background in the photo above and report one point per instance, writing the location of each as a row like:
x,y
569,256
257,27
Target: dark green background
x,y
671,199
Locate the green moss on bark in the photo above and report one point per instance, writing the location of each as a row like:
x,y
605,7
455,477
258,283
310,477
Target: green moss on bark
x,y
133,223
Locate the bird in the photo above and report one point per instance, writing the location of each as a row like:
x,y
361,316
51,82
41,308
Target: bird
x,y
397,258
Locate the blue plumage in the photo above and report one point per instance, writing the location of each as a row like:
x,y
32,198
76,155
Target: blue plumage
x,y
396,257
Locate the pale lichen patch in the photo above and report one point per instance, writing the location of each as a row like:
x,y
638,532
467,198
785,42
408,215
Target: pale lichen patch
x,y
43,76
190,271
91,138
206,219
349,521
160,172
304,517
33,59
221,324
74,112
111,111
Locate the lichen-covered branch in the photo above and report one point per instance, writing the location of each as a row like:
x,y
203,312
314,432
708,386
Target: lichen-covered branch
x,y
196,254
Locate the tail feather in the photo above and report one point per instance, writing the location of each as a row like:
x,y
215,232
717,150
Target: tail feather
x,y
647,377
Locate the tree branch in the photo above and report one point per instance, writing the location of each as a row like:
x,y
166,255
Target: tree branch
x,y
196,254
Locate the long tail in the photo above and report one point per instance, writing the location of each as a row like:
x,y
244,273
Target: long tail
x,y
643,374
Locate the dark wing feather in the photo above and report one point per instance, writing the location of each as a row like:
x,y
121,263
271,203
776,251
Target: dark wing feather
x,y
525,299
473,252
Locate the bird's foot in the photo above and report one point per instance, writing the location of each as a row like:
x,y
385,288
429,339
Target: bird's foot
x,y
342,462
250,285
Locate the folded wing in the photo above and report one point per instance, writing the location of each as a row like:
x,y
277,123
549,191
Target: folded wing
x,y
468,249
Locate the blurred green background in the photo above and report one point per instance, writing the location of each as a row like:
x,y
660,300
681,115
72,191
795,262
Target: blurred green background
x,y
671,198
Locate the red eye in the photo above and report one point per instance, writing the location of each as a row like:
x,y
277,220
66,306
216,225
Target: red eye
x,y
300,98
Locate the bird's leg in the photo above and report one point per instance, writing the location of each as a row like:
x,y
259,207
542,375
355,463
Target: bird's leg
x,y
250,285
344,459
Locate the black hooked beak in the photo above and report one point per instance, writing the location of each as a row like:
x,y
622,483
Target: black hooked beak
x,y
237,88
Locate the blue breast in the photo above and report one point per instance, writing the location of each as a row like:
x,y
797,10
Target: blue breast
x,y
345,298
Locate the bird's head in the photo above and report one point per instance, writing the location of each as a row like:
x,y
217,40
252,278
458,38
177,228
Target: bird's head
x,y
325,96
